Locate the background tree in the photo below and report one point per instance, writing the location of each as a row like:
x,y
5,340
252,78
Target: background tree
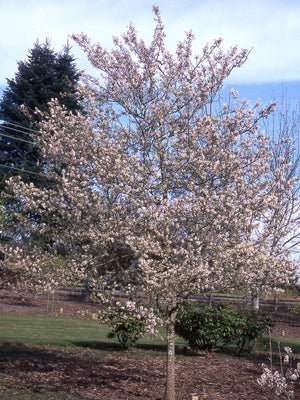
x,y
152,163
43,76
284,129
277,234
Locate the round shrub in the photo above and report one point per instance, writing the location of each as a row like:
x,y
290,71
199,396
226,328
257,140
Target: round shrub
x,y
208,327
204,328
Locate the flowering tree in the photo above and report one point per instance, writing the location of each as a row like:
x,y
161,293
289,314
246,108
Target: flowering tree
x,y
284,128
276,236
153,165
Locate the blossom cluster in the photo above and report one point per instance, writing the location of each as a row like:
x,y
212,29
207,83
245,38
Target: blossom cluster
x,y
281,382
129,312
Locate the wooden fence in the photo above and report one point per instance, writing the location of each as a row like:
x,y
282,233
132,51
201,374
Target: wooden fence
x,y
269,304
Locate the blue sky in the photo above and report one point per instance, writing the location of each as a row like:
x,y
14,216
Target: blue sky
x,y
271,28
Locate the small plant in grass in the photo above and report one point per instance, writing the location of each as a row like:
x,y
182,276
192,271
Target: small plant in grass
x,y
129,321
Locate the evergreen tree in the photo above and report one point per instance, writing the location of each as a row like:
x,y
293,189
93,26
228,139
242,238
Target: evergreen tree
x,y
43,76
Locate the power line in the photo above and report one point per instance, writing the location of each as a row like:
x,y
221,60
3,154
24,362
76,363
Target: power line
x,y
24,170
15,138
15,130
3,127
20,126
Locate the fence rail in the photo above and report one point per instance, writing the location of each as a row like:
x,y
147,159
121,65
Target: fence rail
x,y
240,301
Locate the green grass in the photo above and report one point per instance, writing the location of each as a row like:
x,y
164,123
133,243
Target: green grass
x,y
60,330
31,334
262,346
294,343
288,293
49,329
41,335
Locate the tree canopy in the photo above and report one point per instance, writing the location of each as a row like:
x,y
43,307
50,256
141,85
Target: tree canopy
x,y
153,163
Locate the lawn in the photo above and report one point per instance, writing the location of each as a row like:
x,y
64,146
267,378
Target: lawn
x,y
57,357
27,335
49,329
62,330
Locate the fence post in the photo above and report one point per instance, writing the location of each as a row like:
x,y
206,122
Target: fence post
x,y
245,301
86,291
276,301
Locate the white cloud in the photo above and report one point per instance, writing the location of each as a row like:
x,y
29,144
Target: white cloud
x,y
270,27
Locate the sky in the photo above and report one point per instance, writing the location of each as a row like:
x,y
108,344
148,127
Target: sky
x,y
271,28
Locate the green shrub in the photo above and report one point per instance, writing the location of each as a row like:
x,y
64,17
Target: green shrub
x,y
210,327
295,310
128,322
204,328
247,326
127,332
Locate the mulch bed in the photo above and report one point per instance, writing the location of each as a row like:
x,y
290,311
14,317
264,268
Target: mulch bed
x,y
113,377
110,375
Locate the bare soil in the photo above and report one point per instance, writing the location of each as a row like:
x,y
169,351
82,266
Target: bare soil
x,y
135,374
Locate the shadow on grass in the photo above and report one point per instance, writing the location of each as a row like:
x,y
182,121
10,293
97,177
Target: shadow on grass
x,y
97,345
228,351
259,354
116,347
20,349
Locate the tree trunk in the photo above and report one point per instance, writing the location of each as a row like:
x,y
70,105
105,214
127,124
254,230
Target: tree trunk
x,y
255,300
170,381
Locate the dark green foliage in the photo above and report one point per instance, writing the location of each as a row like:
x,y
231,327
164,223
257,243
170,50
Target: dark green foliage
x,y
209,327
248,326
204,328
43,76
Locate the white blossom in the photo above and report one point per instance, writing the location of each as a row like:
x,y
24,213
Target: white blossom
x,y
154,170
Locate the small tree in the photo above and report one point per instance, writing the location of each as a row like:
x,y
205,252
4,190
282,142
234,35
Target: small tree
x,y
154,164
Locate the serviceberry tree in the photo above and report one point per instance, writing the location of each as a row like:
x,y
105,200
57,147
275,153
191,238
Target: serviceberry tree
x,y
276,235
157,165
